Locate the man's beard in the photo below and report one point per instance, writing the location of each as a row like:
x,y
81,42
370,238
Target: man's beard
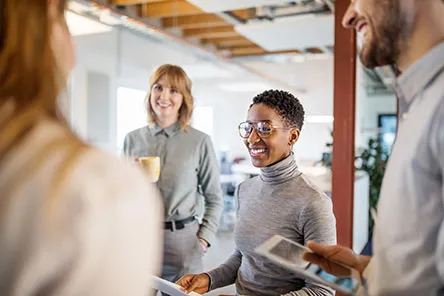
x,y
388,35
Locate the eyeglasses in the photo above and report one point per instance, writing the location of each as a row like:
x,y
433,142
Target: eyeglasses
x,y
263,128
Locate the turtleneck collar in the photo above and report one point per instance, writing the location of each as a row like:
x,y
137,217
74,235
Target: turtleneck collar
x,y
280,171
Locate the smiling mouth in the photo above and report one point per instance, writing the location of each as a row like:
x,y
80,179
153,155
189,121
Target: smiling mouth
x,y
257,152
161,105
360,27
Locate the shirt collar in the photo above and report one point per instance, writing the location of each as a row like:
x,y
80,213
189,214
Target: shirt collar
x,y
420,74
169,131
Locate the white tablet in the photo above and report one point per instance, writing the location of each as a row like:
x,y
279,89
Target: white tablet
x,y
288,254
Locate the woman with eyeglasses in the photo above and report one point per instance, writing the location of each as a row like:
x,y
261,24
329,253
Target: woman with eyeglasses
x,y
281,200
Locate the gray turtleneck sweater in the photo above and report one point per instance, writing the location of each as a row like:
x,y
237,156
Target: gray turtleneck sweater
x,y
279,201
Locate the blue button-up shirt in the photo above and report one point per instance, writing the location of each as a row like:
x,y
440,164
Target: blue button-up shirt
x,y
409,233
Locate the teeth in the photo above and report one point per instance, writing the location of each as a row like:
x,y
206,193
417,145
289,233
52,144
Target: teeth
x,y
257,151
163,105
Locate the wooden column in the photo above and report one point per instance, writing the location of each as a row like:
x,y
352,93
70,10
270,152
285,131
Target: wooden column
x,y
344,126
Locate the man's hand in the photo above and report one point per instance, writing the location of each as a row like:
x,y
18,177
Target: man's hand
x,y
332,259
199,283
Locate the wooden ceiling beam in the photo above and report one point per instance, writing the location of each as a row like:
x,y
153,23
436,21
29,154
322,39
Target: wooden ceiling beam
x,y
252,51
169,9
228,42
132,2
217,32
194,21
314,50
244,14
246,51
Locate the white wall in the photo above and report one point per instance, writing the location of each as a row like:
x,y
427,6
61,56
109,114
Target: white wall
x,y
230,109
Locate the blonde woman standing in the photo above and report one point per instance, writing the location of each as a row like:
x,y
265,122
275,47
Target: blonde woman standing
x,y
73,220
189,173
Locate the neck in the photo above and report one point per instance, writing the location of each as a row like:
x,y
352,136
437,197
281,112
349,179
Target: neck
x,y
279,172
166,121
428,32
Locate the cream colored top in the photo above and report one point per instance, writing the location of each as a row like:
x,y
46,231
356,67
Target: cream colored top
x,y
99,235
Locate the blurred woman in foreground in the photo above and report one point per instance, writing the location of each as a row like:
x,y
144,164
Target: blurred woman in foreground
x,y
74,220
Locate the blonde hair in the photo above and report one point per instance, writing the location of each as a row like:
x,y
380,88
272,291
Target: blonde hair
x,y
30,81
178,79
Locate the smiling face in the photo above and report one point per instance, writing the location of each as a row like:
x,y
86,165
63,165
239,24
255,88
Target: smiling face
x,y
269,150
382,26
165,100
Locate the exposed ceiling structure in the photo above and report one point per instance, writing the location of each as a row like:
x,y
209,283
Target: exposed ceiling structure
x,y
236,28
272,31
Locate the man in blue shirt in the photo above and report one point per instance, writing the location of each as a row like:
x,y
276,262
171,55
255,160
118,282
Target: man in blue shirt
x,y
409,233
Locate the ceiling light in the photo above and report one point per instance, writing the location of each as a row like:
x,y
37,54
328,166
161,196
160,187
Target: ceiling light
x,y
80,25
300,58
108,18
80,7
319,119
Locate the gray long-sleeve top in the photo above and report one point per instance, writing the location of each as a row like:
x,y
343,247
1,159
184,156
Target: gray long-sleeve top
x,y
189,173
279,201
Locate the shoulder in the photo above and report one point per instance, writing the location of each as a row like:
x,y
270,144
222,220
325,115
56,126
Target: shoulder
x,y
308,188
107,189
194,138
315,198
195,134
248,184
102,185
108,174
138,132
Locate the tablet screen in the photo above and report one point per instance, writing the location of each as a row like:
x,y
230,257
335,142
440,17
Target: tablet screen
x,y
290,252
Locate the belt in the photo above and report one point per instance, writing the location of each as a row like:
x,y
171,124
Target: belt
x,y
179,224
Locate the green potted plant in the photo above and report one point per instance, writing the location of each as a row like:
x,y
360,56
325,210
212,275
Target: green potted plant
x,y
373,160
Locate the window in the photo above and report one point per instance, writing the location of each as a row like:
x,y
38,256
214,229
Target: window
x,y
131,112
387,126
203,119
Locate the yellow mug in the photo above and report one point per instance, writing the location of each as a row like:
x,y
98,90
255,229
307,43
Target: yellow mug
x,y
151,164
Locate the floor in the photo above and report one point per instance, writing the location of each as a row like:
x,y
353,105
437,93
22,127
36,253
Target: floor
x,y
217,254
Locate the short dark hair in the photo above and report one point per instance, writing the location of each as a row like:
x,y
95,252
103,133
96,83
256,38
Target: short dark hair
x,y
286,105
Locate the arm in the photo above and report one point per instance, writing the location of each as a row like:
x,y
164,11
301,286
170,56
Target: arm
x,y
327,255
226,273
127,145
209,180
318,224
437,151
